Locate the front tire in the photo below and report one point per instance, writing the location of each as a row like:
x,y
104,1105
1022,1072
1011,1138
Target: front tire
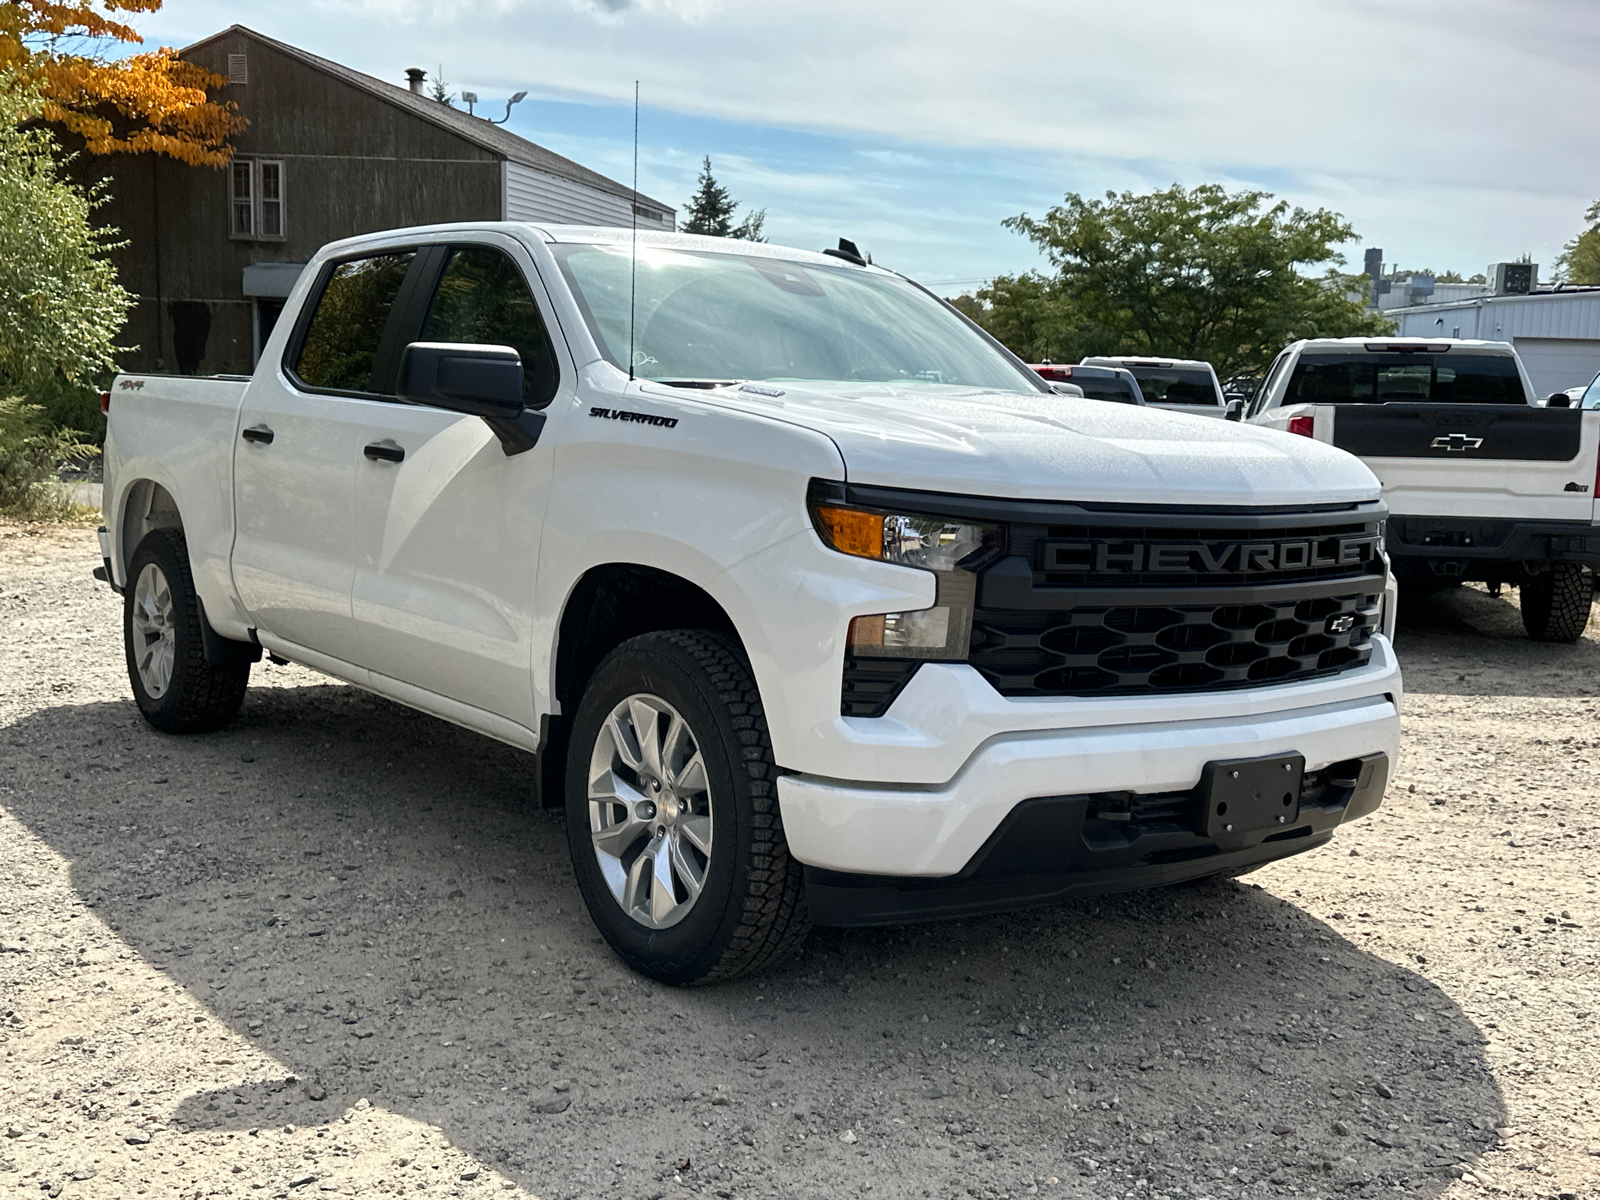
x,y
176,689
1556,603
672,812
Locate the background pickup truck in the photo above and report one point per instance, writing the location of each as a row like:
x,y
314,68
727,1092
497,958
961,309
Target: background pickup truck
x,y
1481,482
815,604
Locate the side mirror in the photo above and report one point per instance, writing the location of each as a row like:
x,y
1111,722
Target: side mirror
x,y
1558,400
1066,389
480,381
1235,411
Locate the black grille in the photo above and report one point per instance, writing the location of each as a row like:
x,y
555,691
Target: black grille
x,y
1171,648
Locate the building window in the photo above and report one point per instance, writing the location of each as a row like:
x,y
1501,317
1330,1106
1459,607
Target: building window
x,y
256,198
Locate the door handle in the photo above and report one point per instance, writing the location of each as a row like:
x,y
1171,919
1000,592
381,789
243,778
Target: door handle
x,y
385,450
258,433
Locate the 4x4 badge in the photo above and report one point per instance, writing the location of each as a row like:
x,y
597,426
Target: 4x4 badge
x,y
1455,441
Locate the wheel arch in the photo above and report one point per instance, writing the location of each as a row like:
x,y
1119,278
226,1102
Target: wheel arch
x,y
609,604
147,505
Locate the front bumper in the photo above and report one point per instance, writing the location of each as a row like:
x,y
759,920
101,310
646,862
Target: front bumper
x,y
1059,847
914,831
1457,546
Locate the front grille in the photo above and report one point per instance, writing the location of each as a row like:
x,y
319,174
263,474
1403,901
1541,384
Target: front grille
x,y
1098,651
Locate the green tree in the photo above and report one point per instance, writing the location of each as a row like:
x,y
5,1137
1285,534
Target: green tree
x,y
711,211
1579,262
439,91
60,308
1197,273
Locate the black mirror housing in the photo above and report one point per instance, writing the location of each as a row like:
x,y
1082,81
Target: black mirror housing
x,y
1235,410
479,381
1558,400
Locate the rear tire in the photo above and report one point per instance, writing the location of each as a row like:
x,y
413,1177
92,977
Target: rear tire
x,y
1556,604
684,868
176,689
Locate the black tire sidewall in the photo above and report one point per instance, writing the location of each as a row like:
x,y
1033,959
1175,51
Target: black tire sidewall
x,y
165,550
687,950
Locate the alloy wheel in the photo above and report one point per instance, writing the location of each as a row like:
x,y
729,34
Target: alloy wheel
x,y
650,811
154,637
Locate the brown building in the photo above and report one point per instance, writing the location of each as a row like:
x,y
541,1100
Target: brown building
x,y
329,153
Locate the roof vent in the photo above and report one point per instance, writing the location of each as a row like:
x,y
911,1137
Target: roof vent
x,y
414,78
238,68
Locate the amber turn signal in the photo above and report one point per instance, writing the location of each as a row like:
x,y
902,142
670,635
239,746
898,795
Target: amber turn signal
x,y
851,531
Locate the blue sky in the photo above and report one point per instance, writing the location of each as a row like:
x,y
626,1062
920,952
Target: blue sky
x,y
1451,137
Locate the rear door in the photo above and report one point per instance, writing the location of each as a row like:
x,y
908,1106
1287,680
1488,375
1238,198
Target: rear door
x,y
447,525
301,431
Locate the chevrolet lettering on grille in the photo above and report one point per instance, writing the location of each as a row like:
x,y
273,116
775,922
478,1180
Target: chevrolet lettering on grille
x,y
1207,558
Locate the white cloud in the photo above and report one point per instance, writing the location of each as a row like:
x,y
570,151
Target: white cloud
x,y
1462,130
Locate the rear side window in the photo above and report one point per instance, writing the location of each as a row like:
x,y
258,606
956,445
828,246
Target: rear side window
x,y
1449,378
1115,390
1176,385
482,298
341,342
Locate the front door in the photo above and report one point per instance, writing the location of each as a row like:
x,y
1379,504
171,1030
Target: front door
x,y
447,525
300,439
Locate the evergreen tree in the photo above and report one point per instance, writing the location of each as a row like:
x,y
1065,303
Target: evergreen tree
x,y
711,212
440,92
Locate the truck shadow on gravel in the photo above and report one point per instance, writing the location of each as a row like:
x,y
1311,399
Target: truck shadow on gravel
x,y
1465,642
365,894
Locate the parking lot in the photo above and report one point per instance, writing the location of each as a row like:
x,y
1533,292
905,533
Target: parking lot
x,y
333,949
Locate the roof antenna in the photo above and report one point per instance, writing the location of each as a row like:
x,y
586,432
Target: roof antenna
x,y
633,253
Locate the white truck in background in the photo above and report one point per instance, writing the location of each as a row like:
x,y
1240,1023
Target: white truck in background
x,y
1481,481
1185,385
814,603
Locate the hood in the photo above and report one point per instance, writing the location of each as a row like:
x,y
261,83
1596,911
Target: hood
x,y
1053,447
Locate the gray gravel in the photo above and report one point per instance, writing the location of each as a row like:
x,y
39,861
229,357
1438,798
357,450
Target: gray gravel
x,y
333,948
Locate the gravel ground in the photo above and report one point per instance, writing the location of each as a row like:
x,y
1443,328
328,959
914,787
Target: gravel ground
x,y
332,949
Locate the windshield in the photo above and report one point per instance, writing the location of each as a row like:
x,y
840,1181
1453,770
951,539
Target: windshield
x,y
1175,385
710,316
1373,378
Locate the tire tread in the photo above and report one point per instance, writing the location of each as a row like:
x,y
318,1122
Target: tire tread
x,y
1556,605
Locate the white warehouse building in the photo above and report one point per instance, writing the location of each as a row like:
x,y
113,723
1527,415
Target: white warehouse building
x,y
1556,333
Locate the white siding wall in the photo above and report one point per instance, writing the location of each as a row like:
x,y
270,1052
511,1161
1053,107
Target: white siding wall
x,y
1556,364
1557,336
529,195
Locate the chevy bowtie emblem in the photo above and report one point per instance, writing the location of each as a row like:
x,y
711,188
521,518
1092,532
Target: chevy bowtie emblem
x,y
1455,441
1343,623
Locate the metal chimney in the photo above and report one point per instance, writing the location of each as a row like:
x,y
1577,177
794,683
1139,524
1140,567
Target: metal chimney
x,y
414,78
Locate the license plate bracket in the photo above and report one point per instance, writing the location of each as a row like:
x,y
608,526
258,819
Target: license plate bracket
x,y
1249,795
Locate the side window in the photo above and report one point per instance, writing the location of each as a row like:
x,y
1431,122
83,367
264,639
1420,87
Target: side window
x,y
482,298
1591,397
341,343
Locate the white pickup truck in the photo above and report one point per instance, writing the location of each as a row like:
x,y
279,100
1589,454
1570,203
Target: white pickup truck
x,y
814,603
1482,483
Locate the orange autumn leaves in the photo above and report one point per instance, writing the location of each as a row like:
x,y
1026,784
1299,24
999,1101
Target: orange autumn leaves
x,y
148,103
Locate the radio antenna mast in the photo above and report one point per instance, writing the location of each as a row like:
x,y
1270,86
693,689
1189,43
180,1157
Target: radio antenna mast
x,y
633,253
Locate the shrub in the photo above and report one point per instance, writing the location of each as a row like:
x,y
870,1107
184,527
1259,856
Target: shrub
x,y
32,453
